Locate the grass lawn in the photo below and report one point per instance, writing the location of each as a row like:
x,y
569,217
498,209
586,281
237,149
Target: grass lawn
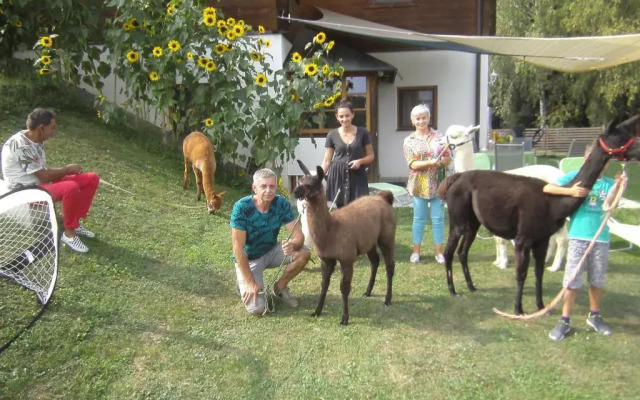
x,y
151,310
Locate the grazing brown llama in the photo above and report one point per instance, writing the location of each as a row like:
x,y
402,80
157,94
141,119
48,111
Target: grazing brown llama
x,y
198,151
515,207
343,235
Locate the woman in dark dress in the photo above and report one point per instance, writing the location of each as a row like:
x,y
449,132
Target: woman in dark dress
x,y
348,152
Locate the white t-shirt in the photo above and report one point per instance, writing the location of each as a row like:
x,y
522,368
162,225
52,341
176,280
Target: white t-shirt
x,y
21,158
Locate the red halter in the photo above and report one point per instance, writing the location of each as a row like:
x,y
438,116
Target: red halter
x,y
619,152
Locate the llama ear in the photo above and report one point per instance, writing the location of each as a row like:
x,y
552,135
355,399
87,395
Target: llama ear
x,y
629,124
611,126
319,172
303,167
221,194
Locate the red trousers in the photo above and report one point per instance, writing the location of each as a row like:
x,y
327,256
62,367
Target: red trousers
x,y
76,193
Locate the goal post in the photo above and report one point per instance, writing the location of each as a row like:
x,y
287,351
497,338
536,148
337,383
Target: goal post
x,y
29,240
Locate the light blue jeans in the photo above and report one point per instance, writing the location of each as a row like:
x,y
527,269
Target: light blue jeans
x,y
421,208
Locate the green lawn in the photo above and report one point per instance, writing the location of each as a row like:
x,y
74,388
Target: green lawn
x,y
151,310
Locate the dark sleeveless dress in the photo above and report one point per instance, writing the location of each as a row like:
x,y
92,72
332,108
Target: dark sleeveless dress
x,y
353,182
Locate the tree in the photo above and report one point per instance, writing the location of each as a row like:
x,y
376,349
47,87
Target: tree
x,y
538,96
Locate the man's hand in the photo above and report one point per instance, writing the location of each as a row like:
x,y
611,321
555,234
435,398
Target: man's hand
x,y
287,247
579,191
74,169
251,290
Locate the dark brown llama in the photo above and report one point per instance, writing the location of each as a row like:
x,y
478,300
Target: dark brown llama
x,y
346,233
515,207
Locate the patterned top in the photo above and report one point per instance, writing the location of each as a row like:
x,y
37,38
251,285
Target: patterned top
x,y
586,220
262,228
424,183
21,158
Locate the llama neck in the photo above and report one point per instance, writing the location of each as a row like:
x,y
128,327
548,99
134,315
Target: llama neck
x,y
207,178
319,219
588,175
463,160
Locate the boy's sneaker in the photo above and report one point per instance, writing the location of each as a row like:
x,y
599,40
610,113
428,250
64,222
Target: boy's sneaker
x,y
82,231
74,243
287,298
415,258
561,330
440,258
597,323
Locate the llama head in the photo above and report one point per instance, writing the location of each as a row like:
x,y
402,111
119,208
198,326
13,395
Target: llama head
x,y
458,134
309,185
215,202
620,141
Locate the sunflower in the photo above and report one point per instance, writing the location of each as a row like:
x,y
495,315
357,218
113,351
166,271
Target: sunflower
x,y
231,35
338,84
46,41
18,24
222,22
261,29
126,26
296,57
261,80
171,9
157,51
190,55
153,75
255,56
208,122
267,43
209,20
320,38
45,60
222,30
99,114
209,11
44,71
310,69
134,23
329,102
202,62
220,48
325,69
231,21
133,56
174,45
330,45
211,66
238,30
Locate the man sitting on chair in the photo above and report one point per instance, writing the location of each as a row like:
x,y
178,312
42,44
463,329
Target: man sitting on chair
x,y
24,164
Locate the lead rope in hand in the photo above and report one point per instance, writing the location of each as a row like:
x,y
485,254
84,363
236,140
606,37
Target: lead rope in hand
x,y
269,294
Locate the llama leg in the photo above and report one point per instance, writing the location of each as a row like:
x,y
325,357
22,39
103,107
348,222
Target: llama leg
x,y
452,244
198,175
501,253
374,258
539,250
327,269
463,252
185,180
522,265
345,289
390,266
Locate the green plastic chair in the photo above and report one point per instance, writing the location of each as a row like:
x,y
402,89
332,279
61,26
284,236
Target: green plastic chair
x,y
568,164
481,161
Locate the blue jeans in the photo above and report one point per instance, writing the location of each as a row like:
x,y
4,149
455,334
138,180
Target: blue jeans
x,y
421,208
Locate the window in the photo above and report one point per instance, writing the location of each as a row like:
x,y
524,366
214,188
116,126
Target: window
x,y
410,97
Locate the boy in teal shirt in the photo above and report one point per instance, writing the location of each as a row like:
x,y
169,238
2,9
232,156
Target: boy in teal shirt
x,y
585,223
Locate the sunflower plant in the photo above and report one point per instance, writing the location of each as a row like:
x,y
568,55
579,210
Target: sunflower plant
x,y
203,70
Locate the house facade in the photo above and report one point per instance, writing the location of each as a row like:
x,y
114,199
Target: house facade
x,y
384,79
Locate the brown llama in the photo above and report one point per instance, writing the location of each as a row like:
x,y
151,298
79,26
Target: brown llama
x,y
515,207
343,235
198,151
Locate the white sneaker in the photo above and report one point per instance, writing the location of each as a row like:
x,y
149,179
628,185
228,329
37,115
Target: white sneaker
x,y
440,258
74,243
415,258
82,231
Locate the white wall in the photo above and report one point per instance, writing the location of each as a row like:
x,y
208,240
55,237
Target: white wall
x,y
454,75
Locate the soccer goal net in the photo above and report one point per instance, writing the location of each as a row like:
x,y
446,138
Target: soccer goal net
x,y
29,240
